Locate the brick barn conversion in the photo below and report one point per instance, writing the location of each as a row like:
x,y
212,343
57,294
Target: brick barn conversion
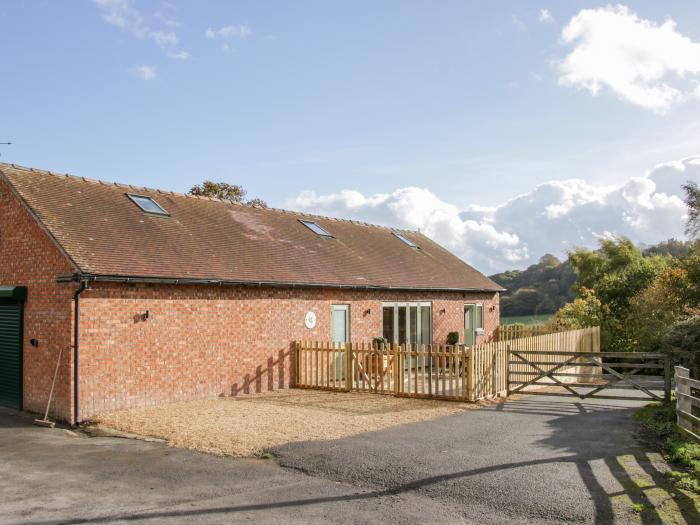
x,y
154,297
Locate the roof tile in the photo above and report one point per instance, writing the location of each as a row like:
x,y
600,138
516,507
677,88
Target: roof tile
x,y
203,238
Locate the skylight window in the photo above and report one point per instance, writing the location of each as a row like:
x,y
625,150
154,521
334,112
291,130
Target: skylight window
x,y
147,204
315,228
407,241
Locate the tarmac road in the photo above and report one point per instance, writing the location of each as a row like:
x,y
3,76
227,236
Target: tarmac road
x,y
533,460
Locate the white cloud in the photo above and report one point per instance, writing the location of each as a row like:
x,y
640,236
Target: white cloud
x,y
147,73
122,14
229,32
546,16
641,61
552,218
180,55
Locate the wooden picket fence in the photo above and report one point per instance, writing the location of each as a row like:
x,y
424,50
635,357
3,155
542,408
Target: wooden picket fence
x,y
457,373
687,402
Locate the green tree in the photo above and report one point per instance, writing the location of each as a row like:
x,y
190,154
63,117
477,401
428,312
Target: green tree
x,y
692,201
225,191
612,276
585,310
656,308
683,343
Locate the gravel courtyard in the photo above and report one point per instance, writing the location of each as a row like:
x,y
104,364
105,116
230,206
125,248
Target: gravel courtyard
x,y
245,426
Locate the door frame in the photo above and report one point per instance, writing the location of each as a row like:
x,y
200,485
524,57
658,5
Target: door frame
x,y
20,304
405,304
346,309
472,308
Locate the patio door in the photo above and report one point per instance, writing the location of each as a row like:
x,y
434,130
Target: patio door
x,y
407,323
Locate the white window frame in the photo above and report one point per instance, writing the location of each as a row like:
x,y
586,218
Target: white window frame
x,y
478,330
398,304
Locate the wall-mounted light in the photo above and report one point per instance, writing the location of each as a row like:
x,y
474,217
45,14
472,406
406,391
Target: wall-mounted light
x,y
492,308
368,311
146,315
34,342
442,311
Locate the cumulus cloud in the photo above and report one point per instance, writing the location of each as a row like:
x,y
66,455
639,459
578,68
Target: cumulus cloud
x,y
122,14
552,218
546,16
641,61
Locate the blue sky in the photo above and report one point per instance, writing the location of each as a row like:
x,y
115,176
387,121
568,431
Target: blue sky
x,y
463,101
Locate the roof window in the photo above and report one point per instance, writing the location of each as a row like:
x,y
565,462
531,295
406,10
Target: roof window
x,y
407,241
315,228
147,204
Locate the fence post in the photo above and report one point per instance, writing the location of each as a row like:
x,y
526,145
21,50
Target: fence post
x,y
297,345
667,378
470,373
507,370
349,372
395,348
683,404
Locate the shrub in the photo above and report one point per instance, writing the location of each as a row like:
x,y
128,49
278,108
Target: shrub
x,y
379,341
683,343
453,338
660,420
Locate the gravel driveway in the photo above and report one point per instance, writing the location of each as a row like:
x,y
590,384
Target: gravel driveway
x,y
246,425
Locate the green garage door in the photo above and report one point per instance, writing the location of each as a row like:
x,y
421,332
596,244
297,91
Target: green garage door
x,y
11,354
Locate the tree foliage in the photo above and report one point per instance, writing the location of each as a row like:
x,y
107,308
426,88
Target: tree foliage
x,y
692,201
225,191
634,296
542,288
683,342
585,310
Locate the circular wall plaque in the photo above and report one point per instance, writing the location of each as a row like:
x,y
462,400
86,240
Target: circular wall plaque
x,y
310,320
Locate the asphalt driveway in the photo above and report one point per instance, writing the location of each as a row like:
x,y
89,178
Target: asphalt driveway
x,y
533,460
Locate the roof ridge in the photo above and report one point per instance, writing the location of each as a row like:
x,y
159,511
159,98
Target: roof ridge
x,y
200,197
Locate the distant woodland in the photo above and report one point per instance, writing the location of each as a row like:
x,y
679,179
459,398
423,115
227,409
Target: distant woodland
x,y
545,287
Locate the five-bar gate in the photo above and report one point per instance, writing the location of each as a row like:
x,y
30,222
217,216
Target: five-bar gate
x,y
586,374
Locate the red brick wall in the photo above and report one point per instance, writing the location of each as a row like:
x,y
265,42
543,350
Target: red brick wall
x,y
203,341
29,258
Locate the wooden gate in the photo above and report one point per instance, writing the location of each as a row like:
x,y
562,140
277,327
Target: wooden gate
x,y
586,374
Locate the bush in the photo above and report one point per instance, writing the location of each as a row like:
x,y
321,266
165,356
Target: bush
x,y
660,420
453,338
683,343
379,341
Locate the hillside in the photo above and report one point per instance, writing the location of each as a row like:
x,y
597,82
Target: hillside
x,y
542,288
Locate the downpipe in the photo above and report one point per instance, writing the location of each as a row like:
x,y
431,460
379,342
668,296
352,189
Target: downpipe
x,y
76,325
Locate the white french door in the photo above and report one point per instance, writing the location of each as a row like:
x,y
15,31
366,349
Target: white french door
x,y
407,323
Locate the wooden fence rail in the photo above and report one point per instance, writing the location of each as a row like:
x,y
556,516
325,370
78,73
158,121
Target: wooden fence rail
x,y
686,399
457,373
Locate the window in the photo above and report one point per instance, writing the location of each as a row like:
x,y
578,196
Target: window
x,y
479,317
407,323
407,241
315,228
147,204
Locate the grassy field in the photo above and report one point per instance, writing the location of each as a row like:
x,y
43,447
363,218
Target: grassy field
x,y
526,319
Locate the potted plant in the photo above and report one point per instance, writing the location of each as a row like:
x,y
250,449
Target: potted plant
x,y
453,338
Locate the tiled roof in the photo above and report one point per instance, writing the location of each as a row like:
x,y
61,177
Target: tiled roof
x,y
106,234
